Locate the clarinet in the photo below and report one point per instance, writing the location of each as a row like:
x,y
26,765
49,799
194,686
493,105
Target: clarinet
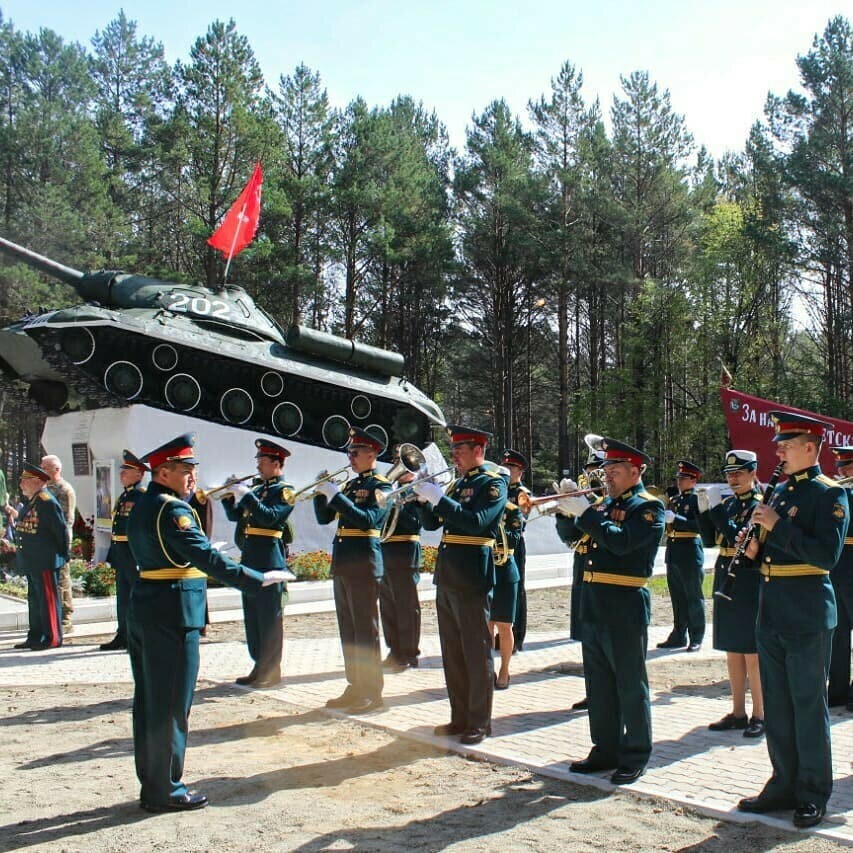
x,y
725,591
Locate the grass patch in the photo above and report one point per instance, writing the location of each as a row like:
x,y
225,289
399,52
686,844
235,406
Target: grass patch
x,y
659,586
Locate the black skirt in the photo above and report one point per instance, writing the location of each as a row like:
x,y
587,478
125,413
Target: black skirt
x,y
734,621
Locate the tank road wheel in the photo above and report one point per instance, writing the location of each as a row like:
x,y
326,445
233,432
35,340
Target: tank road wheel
x,y
407,426
182,392
164,357
272,384
78,345
123,379
287,419
360,407
378,432
336,431
236,406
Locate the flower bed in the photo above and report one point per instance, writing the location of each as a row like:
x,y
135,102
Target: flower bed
x,y
95,579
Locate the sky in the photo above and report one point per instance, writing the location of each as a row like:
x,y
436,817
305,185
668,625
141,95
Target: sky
x,y
717,59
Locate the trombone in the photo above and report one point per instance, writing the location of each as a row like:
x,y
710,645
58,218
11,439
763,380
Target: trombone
x,y
306,493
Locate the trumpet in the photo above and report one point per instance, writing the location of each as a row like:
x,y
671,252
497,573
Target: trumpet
x,y
406,492
207,494
306,493
526,503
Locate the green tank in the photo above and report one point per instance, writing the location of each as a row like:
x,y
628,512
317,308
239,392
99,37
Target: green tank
x,y
211,354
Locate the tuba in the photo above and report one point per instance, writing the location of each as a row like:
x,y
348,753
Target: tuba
x,y
410,461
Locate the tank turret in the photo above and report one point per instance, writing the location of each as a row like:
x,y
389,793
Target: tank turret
x,y
213,354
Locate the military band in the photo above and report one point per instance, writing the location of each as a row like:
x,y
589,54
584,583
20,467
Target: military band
x,y
793,584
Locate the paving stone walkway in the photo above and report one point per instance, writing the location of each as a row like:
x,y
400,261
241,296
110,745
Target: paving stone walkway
x,y
532,728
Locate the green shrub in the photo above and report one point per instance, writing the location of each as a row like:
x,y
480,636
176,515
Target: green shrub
x,y
78,568
99,580
311,565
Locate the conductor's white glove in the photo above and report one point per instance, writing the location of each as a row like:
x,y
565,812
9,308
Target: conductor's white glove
x,y
565,485
328,490
239,490
430,492
669,516
714,495
577,505
276,576
702,501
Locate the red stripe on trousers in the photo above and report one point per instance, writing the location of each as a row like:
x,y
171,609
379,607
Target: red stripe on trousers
x,y
49,586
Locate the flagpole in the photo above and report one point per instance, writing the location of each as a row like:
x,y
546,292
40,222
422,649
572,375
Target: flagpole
x,y
233,244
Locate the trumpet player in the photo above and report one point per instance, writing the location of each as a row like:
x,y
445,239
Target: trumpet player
x,y
734,620
685,560
840,688
399,605
261,513
470,513
119,556
357,568
516,464
624,530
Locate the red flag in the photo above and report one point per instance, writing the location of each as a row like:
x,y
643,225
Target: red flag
x,y
750,428
240,224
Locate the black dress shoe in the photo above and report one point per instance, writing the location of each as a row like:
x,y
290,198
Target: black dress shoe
x,y
183,802
672,643
247,679
582,705
808,814
24,645
694,647
627,775
730,721
755,727
343,701
114,645
38,647
591,765
448,729
365,705
475,736
762,804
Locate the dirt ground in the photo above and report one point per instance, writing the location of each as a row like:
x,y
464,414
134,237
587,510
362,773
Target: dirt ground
x,y
282,778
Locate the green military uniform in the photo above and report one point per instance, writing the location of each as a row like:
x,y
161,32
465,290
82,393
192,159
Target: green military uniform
x,y
41,549
507,576
734,620
840,690
624,533
579,542
261,517
119,555
357,568
685,566
399,604
796,616
166,613
470,512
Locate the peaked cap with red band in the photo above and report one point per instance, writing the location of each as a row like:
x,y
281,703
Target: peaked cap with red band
x,y
618,451
131,463
179,449
35,471
513,457
362,438
843,456
688,469
270,448
465,435
788,425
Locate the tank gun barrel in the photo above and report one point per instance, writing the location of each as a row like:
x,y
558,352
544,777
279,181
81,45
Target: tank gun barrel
x,y
67,274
